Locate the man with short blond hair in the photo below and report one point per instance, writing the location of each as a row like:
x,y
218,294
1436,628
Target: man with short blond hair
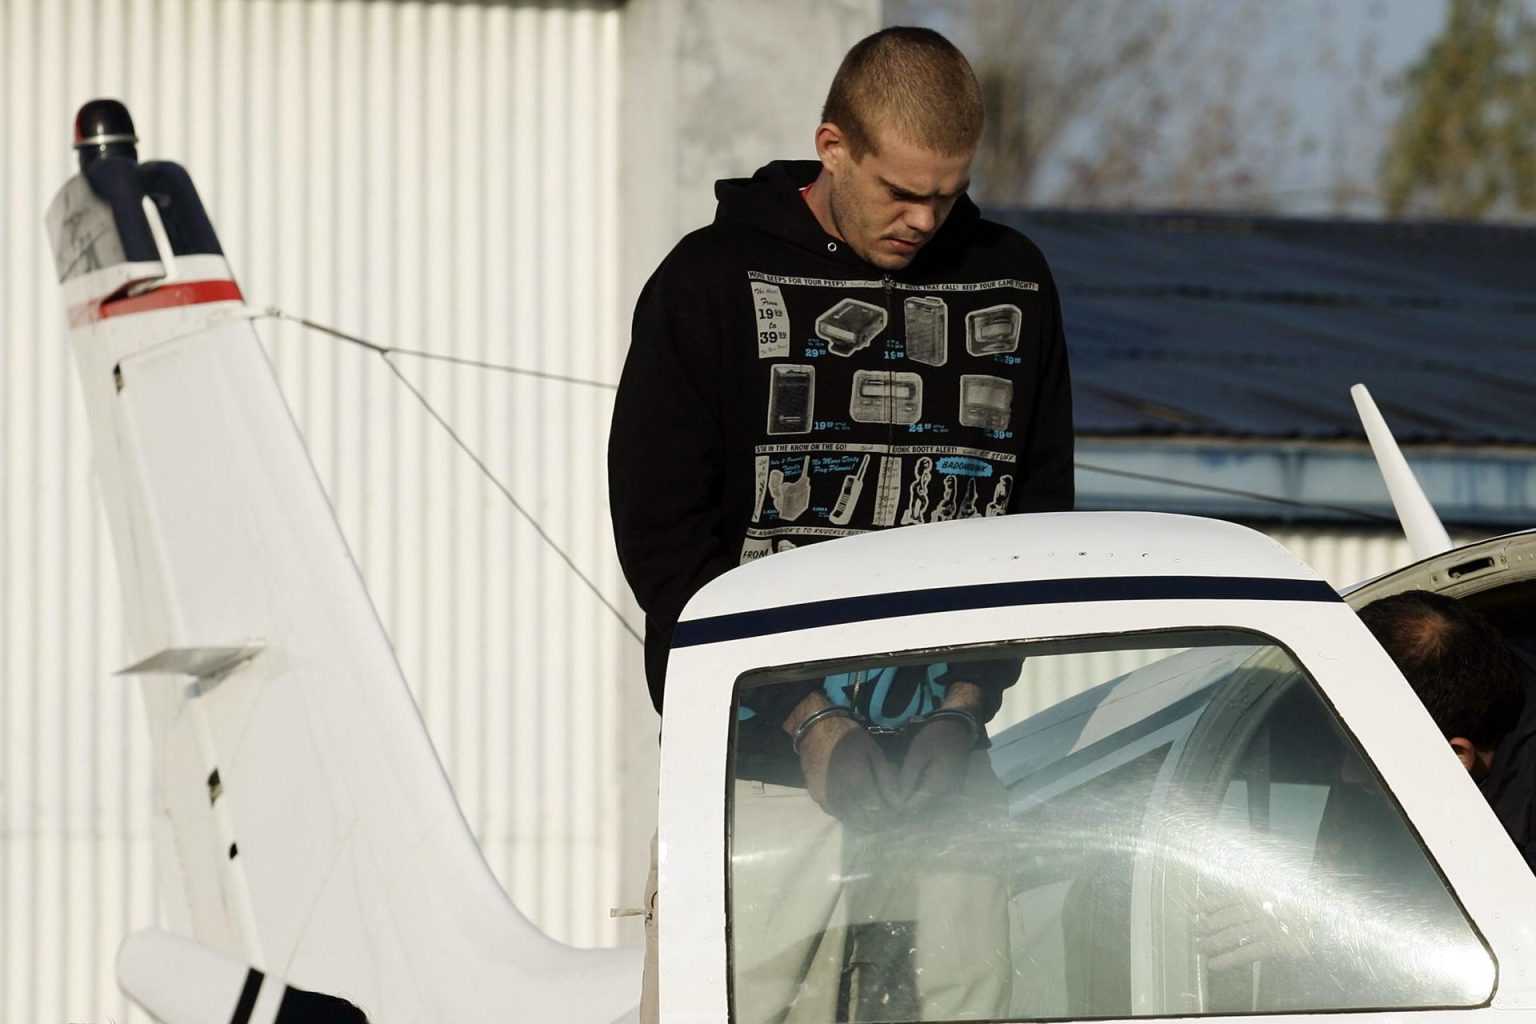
x,y
910,83
857,305
848,347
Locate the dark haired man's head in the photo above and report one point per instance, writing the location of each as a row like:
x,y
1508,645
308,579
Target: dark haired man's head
x,y
898,132
1459,665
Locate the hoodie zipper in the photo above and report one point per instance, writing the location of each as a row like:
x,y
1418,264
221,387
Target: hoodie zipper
x,y
890,335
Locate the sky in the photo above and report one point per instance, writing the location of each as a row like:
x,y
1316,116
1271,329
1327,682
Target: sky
x,y
1310,87
1336,64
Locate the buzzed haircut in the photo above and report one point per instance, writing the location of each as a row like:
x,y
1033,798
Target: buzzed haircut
x,y
1456,660
909,82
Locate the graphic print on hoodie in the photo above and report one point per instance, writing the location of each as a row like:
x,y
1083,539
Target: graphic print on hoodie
x,y
780,391
887,403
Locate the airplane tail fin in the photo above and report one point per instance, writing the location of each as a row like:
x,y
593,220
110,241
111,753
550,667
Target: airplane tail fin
x,y
304,825
1421,525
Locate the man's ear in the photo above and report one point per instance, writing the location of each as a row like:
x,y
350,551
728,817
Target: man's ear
x,y
1476,760
832,147
1466,753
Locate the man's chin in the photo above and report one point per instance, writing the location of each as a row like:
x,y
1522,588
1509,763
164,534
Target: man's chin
x,y
889,260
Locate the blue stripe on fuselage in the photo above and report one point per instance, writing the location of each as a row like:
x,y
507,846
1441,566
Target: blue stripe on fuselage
x,y
787,618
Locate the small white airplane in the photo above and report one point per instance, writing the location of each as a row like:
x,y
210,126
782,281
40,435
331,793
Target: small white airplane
x,y
1208,792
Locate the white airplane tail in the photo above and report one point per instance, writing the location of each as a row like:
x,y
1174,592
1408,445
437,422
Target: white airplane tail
x,y
1421,525
305,827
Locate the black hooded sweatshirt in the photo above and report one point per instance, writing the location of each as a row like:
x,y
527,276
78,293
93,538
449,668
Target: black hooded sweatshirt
x,y
1510,785
780,391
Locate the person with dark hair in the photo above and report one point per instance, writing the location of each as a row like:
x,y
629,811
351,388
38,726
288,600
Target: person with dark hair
x,y
1476,687
1477,690
1459,665
848,347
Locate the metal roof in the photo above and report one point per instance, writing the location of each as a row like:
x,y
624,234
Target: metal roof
x,y
1247,327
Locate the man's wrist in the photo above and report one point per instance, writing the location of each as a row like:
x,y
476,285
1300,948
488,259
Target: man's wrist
x,y
958,715
964,696
809,704
815,718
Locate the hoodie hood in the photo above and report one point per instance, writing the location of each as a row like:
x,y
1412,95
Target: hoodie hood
x,y
770,202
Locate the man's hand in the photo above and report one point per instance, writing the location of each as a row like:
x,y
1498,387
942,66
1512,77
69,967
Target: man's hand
x,y
939,754
1236,932
846,772
936,762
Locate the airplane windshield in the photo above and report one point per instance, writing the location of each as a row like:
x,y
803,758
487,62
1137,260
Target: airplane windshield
x,y
1162,824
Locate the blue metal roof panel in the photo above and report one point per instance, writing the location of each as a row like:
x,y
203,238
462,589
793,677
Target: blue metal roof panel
x,y
1227,326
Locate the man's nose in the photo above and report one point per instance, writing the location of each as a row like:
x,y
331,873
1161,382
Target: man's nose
x,y
921,218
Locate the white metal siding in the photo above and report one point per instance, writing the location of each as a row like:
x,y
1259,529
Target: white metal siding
x,y
1343,555
440,176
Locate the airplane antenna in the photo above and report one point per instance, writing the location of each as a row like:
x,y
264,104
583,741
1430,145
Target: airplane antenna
x,y
1421,525
384,352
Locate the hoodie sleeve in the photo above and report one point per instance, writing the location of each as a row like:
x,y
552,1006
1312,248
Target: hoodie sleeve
x,y
666,458
1047,483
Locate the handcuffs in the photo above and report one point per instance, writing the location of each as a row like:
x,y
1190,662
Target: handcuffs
x,y
902,732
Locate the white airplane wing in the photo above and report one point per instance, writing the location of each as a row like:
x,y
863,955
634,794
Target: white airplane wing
x,y
306,828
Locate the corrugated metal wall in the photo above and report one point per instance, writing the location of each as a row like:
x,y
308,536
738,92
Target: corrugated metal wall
x,y
1345,555
440,176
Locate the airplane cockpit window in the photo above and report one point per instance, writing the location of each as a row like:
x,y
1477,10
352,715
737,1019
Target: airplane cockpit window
x,y
1161,824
